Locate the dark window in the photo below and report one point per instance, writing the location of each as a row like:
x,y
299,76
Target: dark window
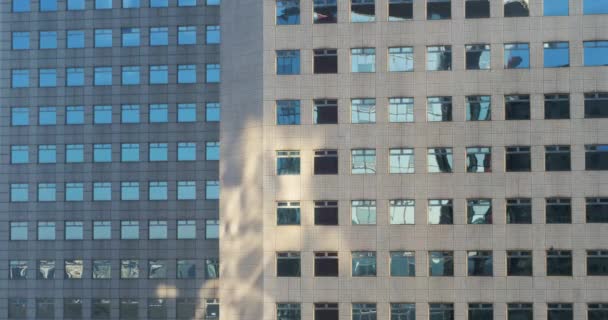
x,y
326,264
520,311
364,311
325,11
288,213
17,308
399,10
72,308
326,213
438,9
596,157
557,158
479,159
441,311
128,308
403,264
517,107
45,308
288,12
557,106
597,311
597,263
596,105
326,311
157,309
481,311
559,263
559,311
403,311
518,159
480,263
477,9
362,10
478,55
519,263
558,210
597,210
186,308
516,8
519,211
288,264
441,263
288,112
441,211
325,111
288,162
100,308
326,162
326,61
479,211
289,311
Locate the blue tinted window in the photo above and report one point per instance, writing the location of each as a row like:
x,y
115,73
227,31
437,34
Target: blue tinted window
x,y
157,190
103,38
129,230
158,113
75,77
74,192
186,3
186,229
75,39
46,230
288,62
129,113
517,56
129,152
157,230
212,190
212,112
288,12
103,4
102,153
186,73
288,112
103,76
130,3
75,4
47,116
20,154
212,150
130,75
186,112
213,2
102,230
47,192
102,191
595,6
74,153
159,74
213,35
48,5
20,78
212,73
47,78
130,37
159,36
555,7
186,35
19,192
21,40
47,154
21,5
158,152
129,191
556,54
48,40
20,116
186,190
159,3
102,114
186,151
596,53
74,115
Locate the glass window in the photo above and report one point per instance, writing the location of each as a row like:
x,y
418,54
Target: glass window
x,y
129,230
20,78
403,311
72,308
103,38
212,73
479,211
212,268
439,58
45,308
186,269
559,311
18,230
288,264
401,160
158,113
186,73
325,11
516,8
47,192
76,5
558,210
19,154
100,308
440,160
557,106
288,112
186,151
186,3
597,210
363,212
439,109
48,40
102,230
102,114
520,311
130,75
363,264
75,39
129,152
288,311
441,263
326,311
326,264
185,308
74,191
47,78
157,190
212,150
20,116
555,8
556,54
288,12
103,76
441,211
158,152
17,307
597,263
401,109
518,159
186,35
159,74
402,211
186,229
130,36
159,36
399,10
103,4
326,162
212,34
212,229
438,9
363,161
212,112
364,311
477,9
401,58
21,40
595,7
157,269
363,110
479,159
519,263
21,6
517,55
157,308
19,192
157,229
74,77
186,112
326,213
129,113
362,11
46,230
597,311
517,107
288,62
73,230
102,153
18,270
186,190
481,311
559,263
403,264
130,4
477,55
596,105
596,157
557,158
479,263
288,162
129,191
102,191
128,309
363,59
325,61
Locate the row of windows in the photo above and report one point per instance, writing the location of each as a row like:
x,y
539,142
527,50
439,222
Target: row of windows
x,y
101,308
131,113
102,191
102,76
130,37
439,58
129,152
441,160
441,211
102,230
440,263
51,5
102,269
326,11
439,108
